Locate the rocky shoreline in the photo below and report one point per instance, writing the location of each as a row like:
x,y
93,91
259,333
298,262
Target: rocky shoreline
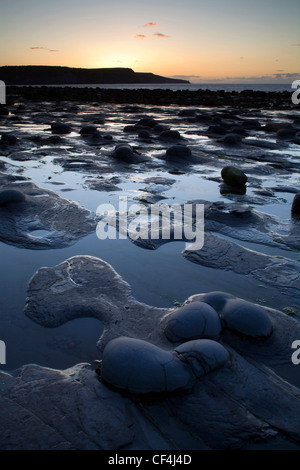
x,y
161,97
212,370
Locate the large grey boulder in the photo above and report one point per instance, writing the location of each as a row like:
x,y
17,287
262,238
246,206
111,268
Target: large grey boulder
x,y
192,321
141,367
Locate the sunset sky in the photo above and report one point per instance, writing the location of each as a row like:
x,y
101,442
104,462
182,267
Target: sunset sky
x,y
202,41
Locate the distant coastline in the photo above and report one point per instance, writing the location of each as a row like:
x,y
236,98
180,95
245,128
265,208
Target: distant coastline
x,y
55,75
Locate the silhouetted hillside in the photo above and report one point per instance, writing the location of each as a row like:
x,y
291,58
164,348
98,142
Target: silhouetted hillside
x,y
53,75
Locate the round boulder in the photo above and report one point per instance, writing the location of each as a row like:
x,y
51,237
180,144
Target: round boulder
x,y
246,318
88,130
234,176
8,139
232,139
159,128
147,122
144,134
11,195
251,124
187,113
296,206
288,133
276,126
170,135
178,152
3,111
125,153
60,128
217,299
217,129
141,367
192,321
203,355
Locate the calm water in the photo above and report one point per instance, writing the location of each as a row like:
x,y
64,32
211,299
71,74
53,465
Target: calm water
x,y
158,278
271,87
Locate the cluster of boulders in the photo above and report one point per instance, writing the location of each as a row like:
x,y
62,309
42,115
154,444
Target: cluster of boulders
x,y
141,367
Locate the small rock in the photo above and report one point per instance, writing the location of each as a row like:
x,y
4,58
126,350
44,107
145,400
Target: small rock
x,y
11,195
239,130
276,126
234,176
54,139
3,111
160,128
129,128
180,152
187,113
147,122
232,139
217,129
251,124
60,128
126,153
88,130
295,210
289,133
144,134
8,139
170,135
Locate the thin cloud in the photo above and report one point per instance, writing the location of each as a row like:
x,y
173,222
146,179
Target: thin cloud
x,y
295,45
186,77
287,75
140,36
283,76
150,24
161,35
35,48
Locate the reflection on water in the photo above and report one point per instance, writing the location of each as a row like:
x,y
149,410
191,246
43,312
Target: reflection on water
x,y
161,277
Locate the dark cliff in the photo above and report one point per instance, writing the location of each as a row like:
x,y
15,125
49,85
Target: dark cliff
x,y
53,75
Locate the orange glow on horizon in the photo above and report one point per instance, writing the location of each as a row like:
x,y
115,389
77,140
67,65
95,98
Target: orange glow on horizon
x,y
201,41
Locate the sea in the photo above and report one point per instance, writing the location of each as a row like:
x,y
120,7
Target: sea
x,y
227,87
